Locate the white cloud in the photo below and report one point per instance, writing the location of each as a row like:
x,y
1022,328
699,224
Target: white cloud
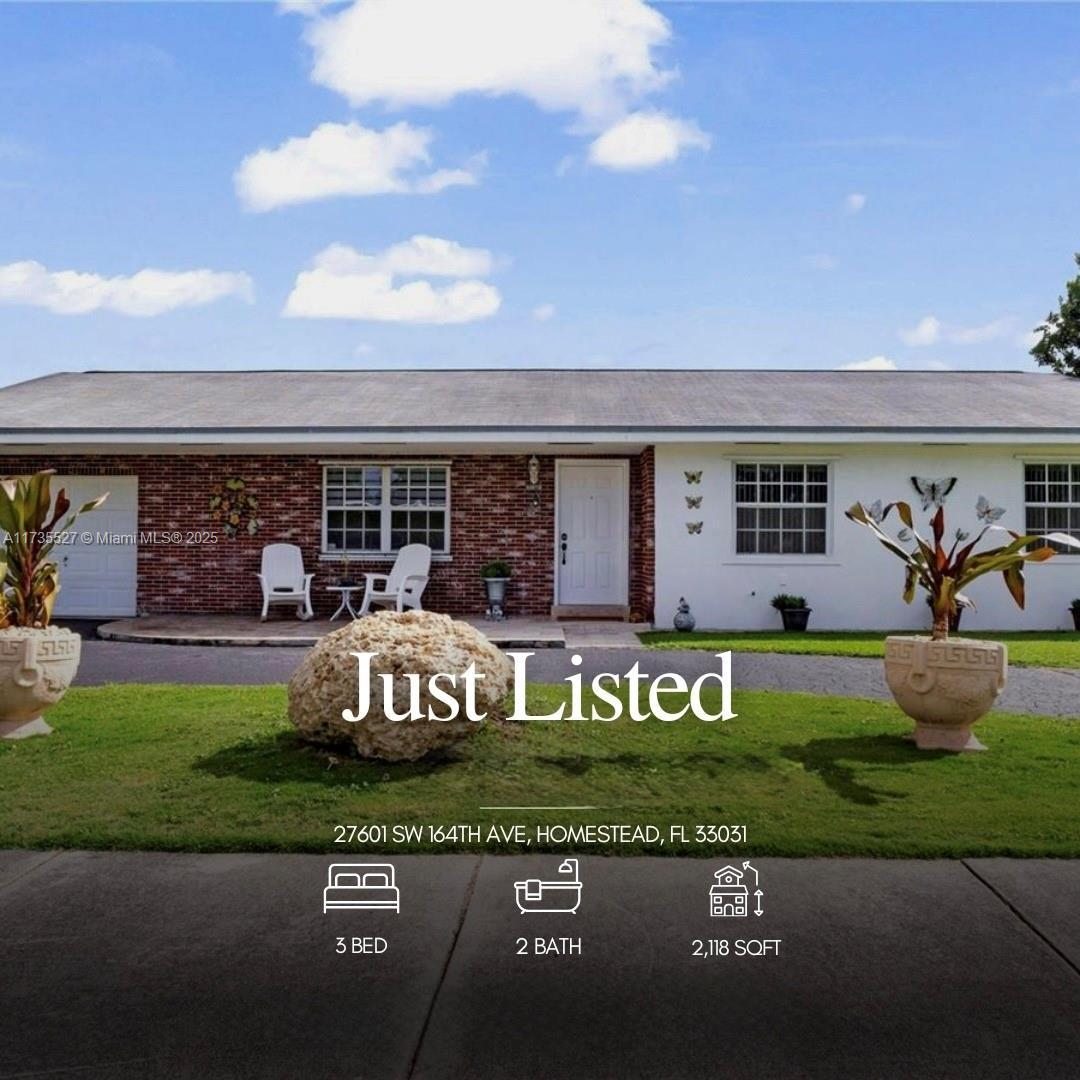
x,y
148,292
593,59
873,363
543,312
820,261
926,331
979,335
345,159
344,283
414,257
855,202
929,330
362,350
590,57
643,140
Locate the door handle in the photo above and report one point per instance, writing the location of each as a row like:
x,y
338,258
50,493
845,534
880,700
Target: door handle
x,y
562,547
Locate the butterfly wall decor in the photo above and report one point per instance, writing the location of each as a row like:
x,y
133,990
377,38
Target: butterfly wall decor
x,y
933,492
693,477
693,527
985,512
693,501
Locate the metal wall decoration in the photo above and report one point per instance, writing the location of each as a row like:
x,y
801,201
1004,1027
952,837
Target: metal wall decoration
x,y
532,485
933,492
235,506
693,502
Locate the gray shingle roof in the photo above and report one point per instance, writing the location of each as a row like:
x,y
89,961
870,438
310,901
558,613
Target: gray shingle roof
x,y
520,400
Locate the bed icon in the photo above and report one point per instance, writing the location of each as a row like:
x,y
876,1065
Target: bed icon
x,y
361,887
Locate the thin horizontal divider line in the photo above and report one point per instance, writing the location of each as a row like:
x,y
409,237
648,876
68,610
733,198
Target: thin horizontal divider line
x,y
541,807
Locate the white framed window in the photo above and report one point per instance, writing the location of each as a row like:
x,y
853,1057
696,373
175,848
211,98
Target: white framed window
x,y
1052,499
781,508
378,509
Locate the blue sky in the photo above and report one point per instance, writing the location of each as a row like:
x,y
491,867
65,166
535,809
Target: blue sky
x,y
755,186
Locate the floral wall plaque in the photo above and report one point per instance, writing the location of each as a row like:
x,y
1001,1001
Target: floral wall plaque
x,y
235,507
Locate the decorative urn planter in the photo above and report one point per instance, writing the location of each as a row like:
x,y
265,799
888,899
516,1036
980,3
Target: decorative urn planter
x,y
36,668
795,618
945,686
495,587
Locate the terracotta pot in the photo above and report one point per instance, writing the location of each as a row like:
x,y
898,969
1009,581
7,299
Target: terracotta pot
x,y
945,686
36,668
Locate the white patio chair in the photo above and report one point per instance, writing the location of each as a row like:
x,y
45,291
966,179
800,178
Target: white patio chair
x,y
404,585
283,579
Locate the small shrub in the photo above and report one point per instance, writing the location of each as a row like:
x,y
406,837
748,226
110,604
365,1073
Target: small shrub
x,y
785,601
496,568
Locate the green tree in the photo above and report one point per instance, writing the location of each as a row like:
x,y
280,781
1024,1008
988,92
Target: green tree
x,y
1059,346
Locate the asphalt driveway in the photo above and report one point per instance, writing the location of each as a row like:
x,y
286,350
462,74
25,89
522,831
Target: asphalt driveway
x,y
1030,690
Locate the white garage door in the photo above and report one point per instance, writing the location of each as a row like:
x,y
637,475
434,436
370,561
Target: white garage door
x,y
97,578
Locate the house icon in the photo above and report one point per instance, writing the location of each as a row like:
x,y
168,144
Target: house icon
x,y
728,897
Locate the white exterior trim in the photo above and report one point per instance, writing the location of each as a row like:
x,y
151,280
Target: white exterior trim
x,y
286,441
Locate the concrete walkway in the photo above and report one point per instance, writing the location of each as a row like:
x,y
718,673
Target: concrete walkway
x,y
152,966
517,632
1030,690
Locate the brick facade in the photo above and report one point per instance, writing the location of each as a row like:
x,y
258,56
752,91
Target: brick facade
x,y
643,535
491,516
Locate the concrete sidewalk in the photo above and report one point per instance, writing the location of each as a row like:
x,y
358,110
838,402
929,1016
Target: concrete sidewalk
x,y
151,965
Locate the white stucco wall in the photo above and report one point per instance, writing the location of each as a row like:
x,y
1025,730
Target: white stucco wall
x,y
857,585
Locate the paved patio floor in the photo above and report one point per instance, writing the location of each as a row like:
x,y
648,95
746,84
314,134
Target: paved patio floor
x,y
515,632
152,966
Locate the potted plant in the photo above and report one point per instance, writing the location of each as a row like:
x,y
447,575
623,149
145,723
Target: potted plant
x,y
946,686
496,575
1074,607
793,611
37,661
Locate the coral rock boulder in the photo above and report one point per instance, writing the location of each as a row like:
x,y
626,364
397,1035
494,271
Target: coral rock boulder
x,y
418,643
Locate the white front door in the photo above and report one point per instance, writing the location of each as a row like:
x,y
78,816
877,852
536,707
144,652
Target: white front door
x,y
592,532
98,577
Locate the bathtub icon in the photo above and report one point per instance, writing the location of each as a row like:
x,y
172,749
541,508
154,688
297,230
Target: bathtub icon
x,y
563,894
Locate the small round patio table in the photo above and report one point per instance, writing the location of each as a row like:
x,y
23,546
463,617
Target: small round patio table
x,y
346,599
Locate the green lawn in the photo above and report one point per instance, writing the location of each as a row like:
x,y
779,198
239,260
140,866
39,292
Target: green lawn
x,y
1049,648
218,768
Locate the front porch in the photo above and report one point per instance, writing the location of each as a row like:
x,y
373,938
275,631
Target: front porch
x,y
516,632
